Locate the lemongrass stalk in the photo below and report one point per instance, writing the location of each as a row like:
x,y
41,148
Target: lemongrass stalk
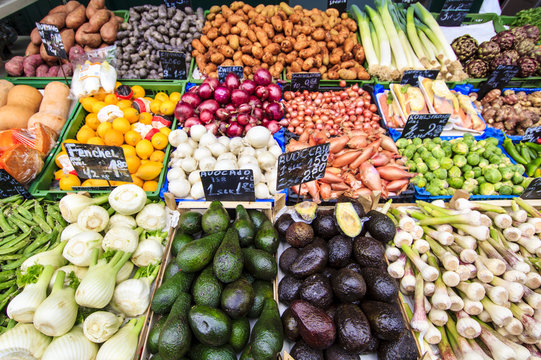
x,y
536,222
432,335
535,354
445,228
498,294
526,229
450,278
517,213
467,256
516,291
532,298
454,344
463,345
457,303
390,31
384,46
529,208
510,258
500,315
428,305
521,353
502,221
421,245
408,280
466,326
496,266
515,276
443,237
484,316
440,298
526,339
418,321
531,325
392,253
429,273
479,232
406,223
397,268
417,232
472,218
533,280
438,317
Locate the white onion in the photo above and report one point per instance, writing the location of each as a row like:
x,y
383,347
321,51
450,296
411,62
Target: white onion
x,y
248,151
179,187
207,163
258,136
258,177
197,191
183,150
227,156
236,145
201,153
245,160
194,177
175,173
207,139
262,191
177,137
224,140
266,160
217,149
225,165
197,131
188,164
275,150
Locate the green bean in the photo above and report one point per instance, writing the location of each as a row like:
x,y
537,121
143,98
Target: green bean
x,y
38,209
7,275
10,257
21,225
50,220
19,217
10,199
57,216
4,223
24,213
8,239
14,248
17,263
8,233
16,240
42,224
7,284
37,243
6,297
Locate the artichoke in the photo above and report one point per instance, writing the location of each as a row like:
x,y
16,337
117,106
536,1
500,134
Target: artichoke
x,y
525,47
513,54
536,54
505,40
488,50
501,59
527,67
519,32
464,47
532,32
476,68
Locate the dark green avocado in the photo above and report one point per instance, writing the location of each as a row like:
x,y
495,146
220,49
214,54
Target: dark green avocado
x,y
291,328
301,351
286,259
325,225
348,285
316,289
404,348
283,223
299,234
385,320
352,328
380,285
380,226
237,298
340,248
288,289
336,352
312,259
368,252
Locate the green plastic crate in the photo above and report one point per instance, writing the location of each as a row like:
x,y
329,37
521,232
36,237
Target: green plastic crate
x,y
41,186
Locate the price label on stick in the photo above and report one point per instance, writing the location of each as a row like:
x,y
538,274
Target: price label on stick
x,y
9,186
424,125
305,81
532,134
498,79
224,70
173,65
232,185
302,166
533,191
411,77
52,41
454,12
340,5
99,162
179,4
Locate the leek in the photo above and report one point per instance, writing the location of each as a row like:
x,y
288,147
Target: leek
x,y
429,20
412,36
374,38
385,49
390,30
132,296
23,342
123,345
73,345
369,51
99,326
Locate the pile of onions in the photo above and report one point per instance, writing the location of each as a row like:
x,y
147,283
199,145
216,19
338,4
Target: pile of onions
x,y
233,107
335,112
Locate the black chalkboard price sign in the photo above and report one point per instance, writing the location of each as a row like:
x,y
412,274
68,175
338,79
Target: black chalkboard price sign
x,y
99,162
224,70
533,191
51,40
411,77
179,4
305,81
454,12
302,166
9,186
424,125
340,5
173,65
288,135
233,185
532,134
498,79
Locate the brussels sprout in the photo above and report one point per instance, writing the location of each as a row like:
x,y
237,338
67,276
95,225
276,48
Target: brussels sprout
x,y
456,183
486,189
469,174
476,190
493,176
460,148
508,183
407,153
492,141
433,190
436,140
507,172
459,160
417,157
430,176
412,148
421,167
483,163
518,190
442,184
425,155
433,164
430,146
419,181
466,167
417,141
520,168
495,159
427,141
454,172
451,191
412,165
448,151
438,152
440,174
477,171
445,143
468,139
402,143
444,192
469,185
498,151
446,163
473,159
506,190
481,180
482,143
497,186
526,182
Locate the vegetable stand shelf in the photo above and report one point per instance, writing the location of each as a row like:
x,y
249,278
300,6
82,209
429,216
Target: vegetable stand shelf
x,y
41,187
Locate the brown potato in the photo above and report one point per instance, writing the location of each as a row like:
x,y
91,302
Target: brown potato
x,y
234,42
212,34
68,39
228,62
227,51
109,31
88,38
269,30
71,5
197,45
58,9
217,58
76,18
35,38
220,41
98,4
257,51
31,49
347,74
247,60
97,20
57,19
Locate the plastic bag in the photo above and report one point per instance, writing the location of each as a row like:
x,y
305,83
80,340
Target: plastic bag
x,y
21,162
94,72
38,137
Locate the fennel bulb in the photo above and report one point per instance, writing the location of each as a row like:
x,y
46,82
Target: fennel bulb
x,y
127,199
78,250
22,307
124,220
125,272
152,217
70,231
56,315
72,204
132,296
99,326
23,342
78,271
123,345
51,257
94,218
97,287
147,252
71,346
121,237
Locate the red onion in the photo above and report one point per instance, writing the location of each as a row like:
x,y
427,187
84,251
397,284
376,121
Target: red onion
x,y
273,126
222,127
213,82
194,89
234,129
238,97
265,105
206,117
248,127
275,92
204,91
265,122
222,94
222,114
244,108
191,122
262,92
210,105
248,86
232,81
213,128
274,111
183,111
243,119
252,120
262,77
257,113
254,101
191,99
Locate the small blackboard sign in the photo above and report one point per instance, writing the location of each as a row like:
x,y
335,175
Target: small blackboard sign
x,y
52,40
424,125
99,162
533,191
532,134
93,188
302,166
411,77
224,70
498,79
179,4
233,185
340,5
288,135
305,81
454,12
173,65
9,186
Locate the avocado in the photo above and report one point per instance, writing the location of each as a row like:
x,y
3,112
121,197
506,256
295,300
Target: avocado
x,y
301,351
385,320
380,226
283,223
316,289
210,326
189,222
349,223
288,289
179,241
260,264
315,326
306,210
380,285
368,252
175,335
154,335
328,272
267,336
262,290
205,352
291,328
240,334
249,277
286,259
168,292
312,259
170,270
336,352
267,238
352,328
247,354
158,357
373,345
325,225
237,298
331,311
299,234
358,208
196,255
340,248
215,219
403,348
258,218
244,226
348,285
228,260
354,266
207,289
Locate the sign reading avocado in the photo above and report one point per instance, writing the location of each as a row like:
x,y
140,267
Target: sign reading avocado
x,y
228,185
98,162
302,166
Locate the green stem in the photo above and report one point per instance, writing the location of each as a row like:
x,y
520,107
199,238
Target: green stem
x,y
10,199
529,208
59,281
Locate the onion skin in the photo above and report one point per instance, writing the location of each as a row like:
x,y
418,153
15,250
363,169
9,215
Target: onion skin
x,y
232,81
346,158
191,99
262,77
210,105
393,173
370,177
183,111
396,185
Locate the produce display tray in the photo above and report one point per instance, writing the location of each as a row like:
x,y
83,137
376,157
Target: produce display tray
x,y
41,186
